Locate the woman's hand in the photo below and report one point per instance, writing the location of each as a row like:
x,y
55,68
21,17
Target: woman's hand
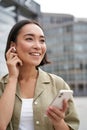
x,y
57,115
13,62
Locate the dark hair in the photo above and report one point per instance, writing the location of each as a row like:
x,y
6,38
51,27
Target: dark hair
x,y
13,36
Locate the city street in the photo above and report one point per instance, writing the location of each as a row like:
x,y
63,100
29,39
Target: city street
x,y
81,104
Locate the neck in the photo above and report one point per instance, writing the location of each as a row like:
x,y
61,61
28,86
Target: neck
x,y
28,73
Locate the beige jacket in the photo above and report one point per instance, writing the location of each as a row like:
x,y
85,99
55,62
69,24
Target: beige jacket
x,y
47,87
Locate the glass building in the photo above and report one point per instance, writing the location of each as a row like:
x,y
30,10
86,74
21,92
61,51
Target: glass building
x,y
22,8
66,40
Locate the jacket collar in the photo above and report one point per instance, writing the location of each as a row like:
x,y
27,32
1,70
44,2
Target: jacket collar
x,y
43,82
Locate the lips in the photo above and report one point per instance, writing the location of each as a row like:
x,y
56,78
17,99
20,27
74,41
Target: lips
x,y
35,54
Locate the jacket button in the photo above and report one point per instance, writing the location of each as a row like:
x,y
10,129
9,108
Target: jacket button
x,y
35,103
37,122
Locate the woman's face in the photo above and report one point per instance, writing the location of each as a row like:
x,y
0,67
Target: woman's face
x,y
30,44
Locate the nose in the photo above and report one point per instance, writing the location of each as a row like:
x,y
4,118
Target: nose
x,y
37,45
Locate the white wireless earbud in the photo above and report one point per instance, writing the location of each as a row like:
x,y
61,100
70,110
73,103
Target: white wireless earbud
x,y
14,49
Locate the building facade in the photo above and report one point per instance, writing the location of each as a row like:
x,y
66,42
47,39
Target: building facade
x,y
22,8
66,40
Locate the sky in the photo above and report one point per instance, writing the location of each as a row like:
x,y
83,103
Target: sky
x,y
77,8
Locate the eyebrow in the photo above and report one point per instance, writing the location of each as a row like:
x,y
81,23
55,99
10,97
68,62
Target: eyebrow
x,y
29,34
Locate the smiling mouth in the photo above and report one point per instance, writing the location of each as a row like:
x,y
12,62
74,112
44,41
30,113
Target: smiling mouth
x,y
35,54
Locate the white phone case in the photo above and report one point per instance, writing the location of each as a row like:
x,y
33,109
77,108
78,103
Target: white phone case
x,y
63,94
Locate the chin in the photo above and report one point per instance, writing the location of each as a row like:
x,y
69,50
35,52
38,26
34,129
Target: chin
x,y
36,64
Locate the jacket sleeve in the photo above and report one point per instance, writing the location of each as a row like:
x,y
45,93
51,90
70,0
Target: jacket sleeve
x,y
72,118
3,82
71,115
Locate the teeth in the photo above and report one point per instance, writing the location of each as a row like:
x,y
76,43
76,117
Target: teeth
x,y
35,54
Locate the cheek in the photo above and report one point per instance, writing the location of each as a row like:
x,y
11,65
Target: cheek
x,y
23,47
44,48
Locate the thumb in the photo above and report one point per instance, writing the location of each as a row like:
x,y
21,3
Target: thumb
x,y
65,105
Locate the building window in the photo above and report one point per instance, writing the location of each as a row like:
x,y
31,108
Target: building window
x,y
72,86
80,87
68,29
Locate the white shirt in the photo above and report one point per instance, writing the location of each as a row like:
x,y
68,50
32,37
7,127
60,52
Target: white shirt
x,y
26,119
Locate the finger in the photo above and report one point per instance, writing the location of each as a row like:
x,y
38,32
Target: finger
x,y
10,54
17,61
59,113
65,105
10,50
53,115
56,113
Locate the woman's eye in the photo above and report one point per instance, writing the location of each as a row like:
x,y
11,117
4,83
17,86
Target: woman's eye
x,y
42,40
29,39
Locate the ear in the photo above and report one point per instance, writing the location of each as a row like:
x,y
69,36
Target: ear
x,y
13,44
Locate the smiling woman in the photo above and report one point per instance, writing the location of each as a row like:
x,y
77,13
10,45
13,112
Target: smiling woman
x,y
28,36
24,90
30,45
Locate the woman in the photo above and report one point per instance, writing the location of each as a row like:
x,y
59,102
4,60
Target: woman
x,y
26,91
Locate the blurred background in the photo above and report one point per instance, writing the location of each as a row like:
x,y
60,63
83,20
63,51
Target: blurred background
x,y
66,39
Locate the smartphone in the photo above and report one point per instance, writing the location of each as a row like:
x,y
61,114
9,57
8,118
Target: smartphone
x,y
63,94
